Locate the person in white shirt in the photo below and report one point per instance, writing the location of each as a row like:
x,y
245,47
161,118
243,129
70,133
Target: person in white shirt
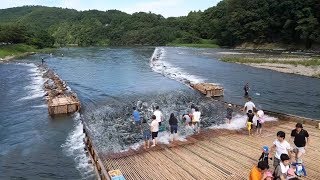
x,y
280,146
154,128
158,115
196,119
249,106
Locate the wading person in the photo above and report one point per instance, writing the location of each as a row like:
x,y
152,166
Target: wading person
x,y
154,128
249,105
250,121
260,121
300,138
145,128
259,172
246,89
229,113
280,146
136,116
173,122
187,119
196,120
158,115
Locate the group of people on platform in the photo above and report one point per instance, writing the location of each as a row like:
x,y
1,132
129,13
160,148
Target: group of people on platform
x,y
191,119
287,159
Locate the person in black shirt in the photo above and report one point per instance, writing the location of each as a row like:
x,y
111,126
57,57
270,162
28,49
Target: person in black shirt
x,y
173,122
250,121
300,137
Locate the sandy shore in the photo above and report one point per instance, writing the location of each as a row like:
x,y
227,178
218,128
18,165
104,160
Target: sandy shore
x,y
312,71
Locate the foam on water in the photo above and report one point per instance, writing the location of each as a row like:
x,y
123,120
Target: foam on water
x,y
74,147
35,89
239,121
159,65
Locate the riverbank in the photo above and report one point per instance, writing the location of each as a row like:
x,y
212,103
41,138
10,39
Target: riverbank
x,y
306,66
14,51
203,43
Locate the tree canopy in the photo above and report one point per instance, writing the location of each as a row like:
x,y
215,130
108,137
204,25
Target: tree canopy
x,y
230,23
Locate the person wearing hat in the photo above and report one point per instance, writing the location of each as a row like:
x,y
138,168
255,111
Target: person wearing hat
x,y
229,113
265,154
300,138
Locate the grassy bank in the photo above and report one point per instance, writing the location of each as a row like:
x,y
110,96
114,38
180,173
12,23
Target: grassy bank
x,y
17,50
312,62
204,43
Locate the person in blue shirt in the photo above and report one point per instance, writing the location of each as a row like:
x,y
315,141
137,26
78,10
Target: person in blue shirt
x,y
136,116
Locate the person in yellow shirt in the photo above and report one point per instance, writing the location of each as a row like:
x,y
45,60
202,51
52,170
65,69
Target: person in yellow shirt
x,y
258,172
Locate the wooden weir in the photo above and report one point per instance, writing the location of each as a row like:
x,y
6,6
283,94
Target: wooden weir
x,y
60,99
212,154
208,89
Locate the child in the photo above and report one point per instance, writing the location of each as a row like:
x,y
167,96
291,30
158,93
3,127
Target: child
x,y
265,154
260,121
154,128
145,129
229,113
291,173
268,175
281,170
250,121
299,168
281,146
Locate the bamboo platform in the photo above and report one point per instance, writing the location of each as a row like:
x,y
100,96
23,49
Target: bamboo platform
x,y
212,154
208,89
63,105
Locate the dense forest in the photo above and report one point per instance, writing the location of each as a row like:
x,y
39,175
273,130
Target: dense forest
x,y
229,23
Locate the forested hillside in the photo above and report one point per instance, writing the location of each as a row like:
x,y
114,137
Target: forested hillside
x,y
230,23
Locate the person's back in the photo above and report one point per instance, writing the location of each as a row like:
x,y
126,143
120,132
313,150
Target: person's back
x,y
173,121
136,115
196,116
249,105
158,115
257,172
145,127
187,118
250,116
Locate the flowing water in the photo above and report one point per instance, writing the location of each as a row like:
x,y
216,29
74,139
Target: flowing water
x,y
109,82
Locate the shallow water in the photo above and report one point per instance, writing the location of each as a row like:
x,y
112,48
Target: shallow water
x,y
109,82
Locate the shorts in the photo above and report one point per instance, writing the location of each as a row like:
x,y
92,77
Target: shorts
x,y
154,135
259,125
249,125
196,123
159,124
300,149
146,135
229,117
276,162
174,128
137,122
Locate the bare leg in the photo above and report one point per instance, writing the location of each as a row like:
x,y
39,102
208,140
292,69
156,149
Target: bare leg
x,y
148,143
145,144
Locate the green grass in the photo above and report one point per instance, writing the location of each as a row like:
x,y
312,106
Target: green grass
x,y
313,62
18,50
15,50
204,43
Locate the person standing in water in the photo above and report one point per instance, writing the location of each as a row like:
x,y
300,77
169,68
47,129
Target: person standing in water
x,y
249,106
229,113
154,130
173,122
158,115
250,121
246,89
145,129
196,120
136,116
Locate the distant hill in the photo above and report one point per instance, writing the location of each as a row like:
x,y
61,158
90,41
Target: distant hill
x,y
230,23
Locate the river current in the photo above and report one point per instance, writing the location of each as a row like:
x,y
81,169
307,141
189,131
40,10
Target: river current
x,y
109,82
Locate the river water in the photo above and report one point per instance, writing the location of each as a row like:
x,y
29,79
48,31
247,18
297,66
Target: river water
x,y
109,82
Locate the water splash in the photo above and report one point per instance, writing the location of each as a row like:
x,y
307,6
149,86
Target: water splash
x,y
74,147
159,65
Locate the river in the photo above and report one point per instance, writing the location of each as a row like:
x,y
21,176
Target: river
x,y
109,82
